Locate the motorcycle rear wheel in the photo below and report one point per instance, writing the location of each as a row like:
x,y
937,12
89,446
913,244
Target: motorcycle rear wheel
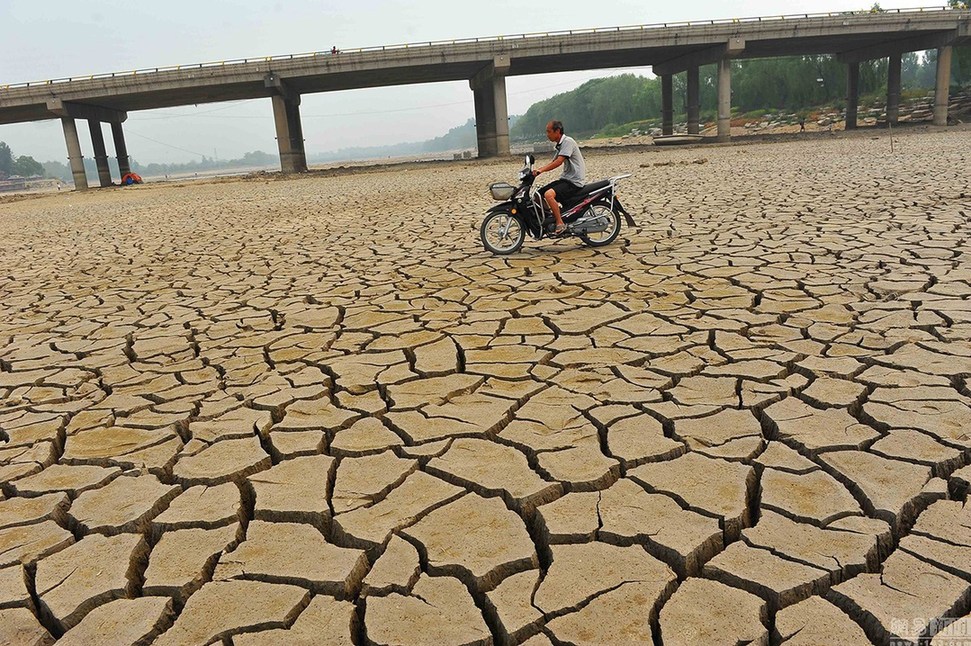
x,y
501,233
603,238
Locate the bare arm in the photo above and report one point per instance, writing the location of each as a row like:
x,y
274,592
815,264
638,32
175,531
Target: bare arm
x,y
556,163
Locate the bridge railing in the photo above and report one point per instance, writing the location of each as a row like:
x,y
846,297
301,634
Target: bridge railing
x,y
487,39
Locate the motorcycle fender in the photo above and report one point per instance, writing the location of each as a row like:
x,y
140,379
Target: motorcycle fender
x,y
502,206
506,207
527,223
623,211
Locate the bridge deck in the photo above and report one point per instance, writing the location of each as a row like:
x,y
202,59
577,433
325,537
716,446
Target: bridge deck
x,y
868,34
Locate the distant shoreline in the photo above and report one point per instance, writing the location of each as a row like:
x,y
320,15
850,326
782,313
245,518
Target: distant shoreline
x,y
740,136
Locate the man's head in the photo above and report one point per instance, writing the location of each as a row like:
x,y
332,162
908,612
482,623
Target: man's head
x,y
554,130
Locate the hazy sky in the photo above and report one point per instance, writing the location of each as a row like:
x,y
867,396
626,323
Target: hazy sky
x,y
62,38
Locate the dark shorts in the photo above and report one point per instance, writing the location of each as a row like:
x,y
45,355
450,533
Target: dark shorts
x,y
564,190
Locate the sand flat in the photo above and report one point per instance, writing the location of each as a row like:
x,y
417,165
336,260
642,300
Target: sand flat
x,y
819,286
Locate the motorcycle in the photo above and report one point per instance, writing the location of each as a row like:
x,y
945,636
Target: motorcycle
x,y
593,214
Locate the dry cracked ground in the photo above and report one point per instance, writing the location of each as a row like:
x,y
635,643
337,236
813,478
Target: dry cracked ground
x,y
315,411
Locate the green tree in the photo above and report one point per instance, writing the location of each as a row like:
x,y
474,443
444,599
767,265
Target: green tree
x,y
23,165
57,169
6,159
910,64
961,66
873,76
792,84
959,4
927,74
27,166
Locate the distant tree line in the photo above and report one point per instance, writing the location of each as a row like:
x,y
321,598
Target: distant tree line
x,y
22,166
458,138
792,84
250,159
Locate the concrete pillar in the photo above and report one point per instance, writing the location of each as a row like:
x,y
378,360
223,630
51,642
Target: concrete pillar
x,y
121,151
501,110
485,122
725,99
491,111
289,134
943,86
100,154
667,104
893,89
74,153
694,107
852,94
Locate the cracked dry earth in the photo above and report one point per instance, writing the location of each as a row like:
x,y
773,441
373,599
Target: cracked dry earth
x,y
315,411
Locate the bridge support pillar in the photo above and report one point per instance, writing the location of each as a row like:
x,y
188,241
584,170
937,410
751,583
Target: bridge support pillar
x,y
289,134
852,94
74,153
667,104
724,99
893,89
943,85
121,150
693,91
100,153
491,112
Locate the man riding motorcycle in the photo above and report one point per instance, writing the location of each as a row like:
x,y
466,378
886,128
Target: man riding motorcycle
x,y
571,181
590,212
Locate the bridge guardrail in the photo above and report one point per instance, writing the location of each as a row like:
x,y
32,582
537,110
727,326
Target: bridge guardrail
x,y
487,39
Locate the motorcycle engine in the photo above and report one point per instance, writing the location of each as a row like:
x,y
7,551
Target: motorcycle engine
x,y
591,224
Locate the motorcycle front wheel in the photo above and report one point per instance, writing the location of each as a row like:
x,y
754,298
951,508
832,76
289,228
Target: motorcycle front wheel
x,y
608,235
501,233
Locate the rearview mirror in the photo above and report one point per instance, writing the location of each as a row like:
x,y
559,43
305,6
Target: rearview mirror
x,y
530,159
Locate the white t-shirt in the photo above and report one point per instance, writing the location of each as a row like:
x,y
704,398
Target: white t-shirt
x,y
574,170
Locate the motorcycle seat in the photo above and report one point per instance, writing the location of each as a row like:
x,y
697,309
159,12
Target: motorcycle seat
x,y
587,189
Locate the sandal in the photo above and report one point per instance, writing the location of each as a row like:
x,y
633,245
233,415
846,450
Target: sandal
x,y
559,231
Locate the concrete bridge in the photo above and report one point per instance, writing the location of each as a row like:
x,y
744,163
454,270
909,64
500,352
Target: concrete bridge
x,y
485,63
